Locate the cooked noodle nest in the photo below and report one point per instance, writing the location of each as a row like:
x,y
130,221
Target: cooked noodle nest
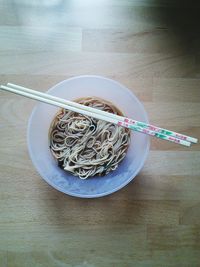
x,y
86,146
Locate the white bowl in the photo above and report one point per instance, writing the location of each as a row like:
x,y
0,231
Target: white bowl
x,y
46,165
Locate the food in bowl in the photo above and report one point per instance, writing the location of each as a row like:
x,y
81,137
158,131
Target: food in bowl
x,y
85,146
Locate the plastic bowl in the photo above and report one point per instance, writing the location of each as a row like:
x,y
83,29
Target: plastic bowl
x,y
46,165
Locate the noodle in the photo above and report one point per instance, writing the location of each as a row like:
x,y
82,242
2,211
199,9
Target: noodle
x,y
87,146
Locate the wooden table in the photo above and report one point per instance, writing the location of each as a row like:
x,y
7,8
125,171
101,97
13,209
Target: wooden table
x,y
155,220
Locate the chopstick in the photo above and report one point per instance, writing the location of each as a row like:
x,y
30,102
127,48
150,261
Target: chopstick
x,y
61,103
111,115
98,114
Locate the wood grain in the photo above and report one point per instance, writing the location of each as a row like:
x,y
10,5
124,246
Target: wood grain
x,y
176,90
148,39
153,221
108,64
21,38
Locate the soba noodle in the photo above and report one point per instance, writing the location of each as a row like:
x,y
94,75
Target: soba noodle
x,y
85,146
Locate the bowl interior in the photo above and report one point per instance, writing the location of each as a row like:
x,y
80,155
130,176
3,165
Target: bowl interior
x,y
46,165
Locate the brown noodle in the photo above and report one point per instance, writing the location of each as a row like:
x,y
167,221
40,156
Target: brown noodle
x,y
86,146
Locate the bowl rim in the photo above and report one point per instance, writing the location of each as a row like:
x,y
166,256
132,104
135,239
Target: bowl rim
x,y
79,195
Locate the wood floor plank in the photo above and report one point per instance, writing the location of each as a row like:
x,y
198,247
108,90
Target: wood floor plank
x,y
190,213
77,213
89,15
22,38
176,90
174,244
170,163
92,241
184,235
140,40
107,64
158,187
184,114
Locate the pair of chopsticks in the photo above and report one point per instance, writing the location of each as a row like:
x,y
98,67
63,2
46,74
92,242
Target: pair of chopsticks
x,y
102,115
